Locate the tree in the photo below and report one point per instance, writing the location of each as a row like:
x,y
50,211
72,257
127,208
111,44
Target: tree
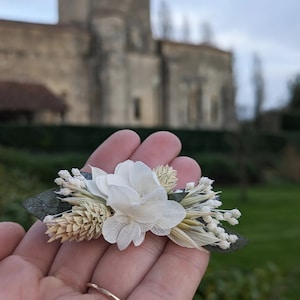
x,y
165,26
294,92
185,30
258,88
206,33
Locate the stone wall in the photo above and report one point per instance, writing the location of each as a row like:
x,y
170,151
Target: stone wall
x,y
198,76
144,96
50,55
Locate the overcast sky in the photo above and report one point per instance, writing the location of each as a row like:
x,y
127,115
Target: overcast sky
x,y
270,28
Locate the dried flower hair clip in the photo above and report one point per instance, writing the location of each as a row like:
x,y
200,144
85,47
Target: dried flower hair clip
x,y
125,205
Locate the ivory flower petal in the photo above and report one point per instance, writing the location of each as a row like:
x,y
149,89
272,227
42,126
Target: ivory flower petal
x,y
92,185
123,232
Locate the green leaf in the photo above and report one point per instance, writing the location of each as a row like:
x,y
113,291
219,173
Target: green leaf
x,y
177,196
46,203
240,243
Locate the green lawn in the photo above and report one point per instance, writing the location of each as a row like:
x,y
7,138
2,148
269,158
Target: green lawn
x,y
270,221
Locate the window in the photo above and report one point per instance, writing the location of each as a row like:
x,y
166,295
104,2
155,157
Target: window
x,y
195,107
137,108
214,110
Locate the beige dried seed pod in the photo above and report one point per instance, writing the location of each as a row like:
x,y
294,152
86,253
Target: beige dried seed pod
x,y
83,222
167,177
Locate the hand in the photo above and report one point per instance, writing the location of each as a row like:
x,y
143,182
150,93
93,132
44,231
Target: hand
x,y
31,268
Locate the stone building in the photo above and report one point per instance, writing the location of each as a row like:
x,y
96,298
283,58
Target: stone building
x,y
102,59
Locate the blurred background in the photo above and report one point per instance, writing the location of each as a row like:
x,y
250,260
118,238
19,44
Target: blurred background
x,y
223,76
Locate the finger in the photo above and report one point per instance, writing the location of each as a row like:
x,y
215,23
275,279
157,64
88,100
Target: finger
x,y
121,271
175,276
34,247
10,236
75,262
118,147
188,170
159,148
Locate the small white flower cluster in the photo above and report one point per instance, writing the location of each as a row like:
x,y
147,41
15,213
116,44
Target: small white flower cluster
x,y
203,203
213,222
199,193
69,183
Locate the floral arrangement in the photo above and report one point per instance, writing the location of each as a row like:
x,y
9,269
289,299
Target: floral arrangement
x,y
135,199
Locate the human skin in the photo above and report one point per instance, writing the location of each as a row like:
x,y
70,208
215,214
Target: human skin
x,y
31,268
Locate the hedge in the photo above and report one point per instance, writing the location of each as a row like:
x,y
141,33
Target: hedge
x,y
87,138
290,120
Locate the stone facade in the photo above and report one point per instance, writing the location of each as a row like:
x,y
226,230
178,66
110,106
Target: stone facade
x,y
53,56
199,86
102,59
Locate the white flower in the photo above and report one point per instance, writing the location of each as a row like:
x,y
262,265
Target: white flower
x,y
140,204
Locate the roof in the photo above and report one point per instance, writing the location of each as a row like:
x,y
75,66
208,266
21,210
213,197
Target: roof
x,y
19,96
210,47
49,27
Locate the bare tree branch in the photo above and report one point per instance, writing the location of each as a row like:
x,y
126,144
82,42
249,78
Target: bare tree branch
x,y
165,26
258,87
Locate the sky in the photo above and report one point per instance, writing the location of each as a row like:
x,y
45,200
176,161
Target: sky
x,y
269,28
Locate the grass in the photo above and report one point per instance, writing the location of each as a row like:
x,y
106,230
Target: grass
x,y
270,221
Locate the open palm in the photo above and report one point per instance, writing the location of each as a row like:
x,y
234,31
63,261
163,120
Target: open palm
x,y
31,268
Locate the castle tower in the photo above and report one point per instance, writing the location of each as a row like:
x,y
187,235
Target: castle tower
x,y
74,12
124,67
135,14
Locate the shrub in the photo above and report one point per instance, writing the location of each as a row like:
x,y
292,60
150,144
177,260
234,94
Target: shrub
x,y
225,168
24,174
290,166
290,120
262,283
16,186
87,138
